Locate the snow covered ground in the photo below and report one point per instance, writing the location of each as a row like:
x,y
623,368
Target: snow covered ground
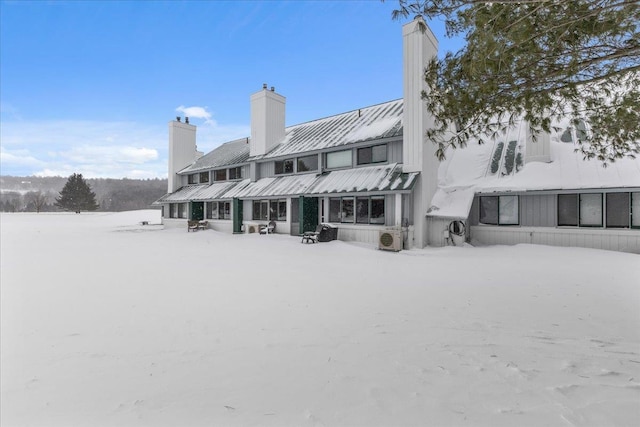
x,y
105,322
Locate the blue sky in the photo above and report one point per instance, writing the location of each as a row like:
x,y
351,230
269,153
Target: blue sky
x,y
89,86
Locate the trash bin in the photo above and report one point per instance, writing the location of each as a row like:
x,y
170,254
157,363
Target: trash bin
x,y
327,233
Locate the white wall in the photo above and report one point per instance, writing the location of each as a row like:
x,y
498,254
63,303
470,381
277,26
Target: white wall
x,y
616,240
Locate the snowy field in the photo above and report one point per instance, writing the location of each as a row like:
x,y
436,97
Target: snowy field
x,y
105,322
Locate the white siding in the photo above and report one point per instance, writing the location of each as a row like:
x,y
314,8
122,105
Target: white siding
x,y
617,240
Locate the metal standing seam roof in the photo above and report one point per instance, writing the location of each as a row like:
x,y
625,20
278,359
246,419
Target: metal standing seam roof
x,y
198,192
370,123
229,153
381,178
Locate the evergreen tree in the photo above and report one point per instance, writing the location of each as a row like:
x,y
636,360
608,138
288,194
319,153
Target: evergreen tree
x,y
537,59
77,195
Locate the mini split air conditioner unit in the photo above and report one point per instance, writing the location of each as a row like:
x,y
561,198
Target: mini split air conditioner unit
x,y
390,240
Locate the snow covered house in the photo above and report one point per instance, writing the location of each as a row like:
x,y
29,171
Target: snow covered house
x,y
370,173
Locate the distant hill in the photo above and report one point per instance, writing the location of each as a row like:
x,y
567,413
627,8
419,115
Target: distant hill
x,y
113,195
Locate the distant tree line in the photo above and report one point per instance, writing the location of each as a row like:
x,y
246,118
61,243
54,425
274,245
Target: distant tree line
x,y
38,194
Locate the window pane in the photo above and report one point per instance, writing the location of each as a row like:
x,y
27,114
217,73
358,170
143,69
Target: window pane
x,y
364,155
618,210
282,210
489,210
591,210
273,210
183,210
279,167
347,209
284,166
334,210
226,206
635,209
362,210
377,210
204,177
221,175
379,153
256,210
339,159
307,163
212,210
172,210
508,210
264,209
235,173
567,209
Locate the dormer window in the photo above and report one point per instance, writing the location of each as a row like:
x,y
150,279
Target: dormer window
x,y
235,173
192,179
204,177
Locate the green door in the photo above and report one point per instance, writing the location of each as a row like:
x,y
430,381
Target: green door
x,y
197,210
308,213
237,215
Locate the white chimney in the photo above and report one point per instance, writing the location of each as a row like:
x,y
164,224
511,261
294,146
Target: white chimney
x,y
267,121
418,154
182,151
538,150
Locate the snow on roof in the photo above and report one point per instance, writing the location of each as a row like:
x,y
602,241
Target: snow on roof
x,y
472,169
367,179
374,122
383,178
229,153
198,192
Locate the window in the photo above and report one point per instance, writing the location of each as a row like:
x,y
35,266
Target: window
x,y
359,210
212,210
219,210
508,214
635,210
191,179
362,210
583,210
283,166
270,210
173,210
334,210
235,173
591,210
618,209
347,209
204,177
377,210
499,210
224,210
375,154
567,209
308,163
220,175
339,159
182,212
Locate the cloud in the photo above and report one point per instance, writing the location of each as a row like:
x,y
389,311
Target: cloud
x,y
99,149
198,113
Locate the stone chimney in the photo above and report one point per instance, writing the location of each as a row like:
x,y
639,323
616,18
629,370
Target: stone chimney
x,y
267,121
537,150
182,150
